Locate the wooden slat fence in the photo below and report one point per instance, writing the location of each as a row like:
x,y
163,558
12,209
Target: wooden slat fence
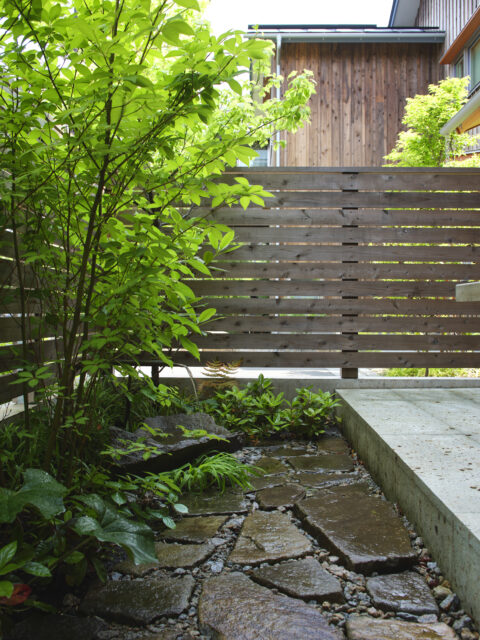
x,y
347,268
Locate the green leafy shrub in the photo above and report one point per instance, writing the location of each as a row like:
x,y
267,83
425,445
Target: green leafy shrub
x,y
309,412
221,469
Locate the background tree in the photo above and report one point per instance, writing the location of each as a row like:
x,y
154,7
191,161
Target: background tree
x,y
422,144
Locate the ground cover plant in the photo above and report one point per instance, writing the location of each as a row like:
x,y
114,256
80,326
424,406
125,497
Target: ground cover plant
x,y
115,118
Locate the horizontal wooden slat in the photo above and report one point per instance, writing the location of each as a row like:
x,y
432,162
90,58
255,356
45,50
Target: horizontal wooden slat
x,y
360,254
318,288
395,306
367,271
386,324
328,342
10,329
396,199
38,352
378,217
318,359
361,235
358,181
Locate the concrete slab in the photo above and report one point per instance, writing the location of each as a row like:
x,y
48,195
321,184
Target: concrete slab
x,y
423,447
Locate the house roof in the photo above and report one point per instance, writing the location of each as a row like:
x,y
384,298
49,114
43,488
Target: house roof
x,y
462,39
403,13
345,33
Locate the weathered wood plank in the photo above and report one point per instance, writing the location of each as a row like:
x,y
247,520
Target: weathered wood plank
x,y
413,288
338,180
364,324
318,359
357,254
43,352
329,342
366,271
10,329
322,235
393,306
315,217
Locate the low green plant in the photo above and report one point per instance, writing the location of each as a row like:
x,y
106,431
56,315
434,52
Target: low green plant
x,y
310,411
220,469
432,372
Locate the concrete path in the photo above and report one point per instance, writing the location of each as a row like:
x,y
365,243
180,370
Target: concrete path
x,y
423,447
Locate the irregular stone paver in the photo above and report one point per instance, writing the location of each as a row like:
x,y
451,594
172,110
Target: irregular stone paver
x,y
196,529
269,536
139,601
57,627
407,592
302,579
283,496
322,479
264,482
215,503
331,461
366,628
363,530
287,451
331,444
176,448
232,607
271,466
173,556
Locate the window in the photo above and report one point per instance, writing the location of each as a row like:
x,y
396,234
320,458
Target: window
x,y
474,52
459,72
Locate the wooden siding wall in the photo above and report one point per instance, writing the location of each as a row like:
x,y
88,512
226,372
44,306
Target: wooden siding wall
x,y
449,15
360,99
331,276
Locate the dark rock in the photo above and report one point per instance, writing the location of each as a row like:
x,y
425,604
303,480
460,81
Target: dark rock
x,y
139,601
451,602
271,466
283,496
288,451
175,448
57,627
404,592
197,529
302,579
232,607
366,628
322,479
331,461
215,503
269,536
172,556
364,531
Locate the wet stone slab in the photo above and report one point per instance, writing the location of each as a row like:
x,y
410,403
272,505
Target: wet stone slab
x,y
330,461
363,530
287,451
57,627
271,466
366,628
404,592
269,536
232,607
264,482
283,496
304,579
215,503
195,529
170,556
331,444
318,479
139,602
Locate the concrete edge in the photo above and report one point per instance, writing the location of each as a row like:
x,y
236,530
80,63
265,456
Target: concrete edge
x,y
455,547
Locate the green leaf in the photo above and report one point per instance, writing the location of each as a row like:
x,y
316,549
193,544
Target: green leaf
x,y
36,569
174,28
39,490
7,553
100,569
180,508
169,522
6,588
188,4
74,557
110,526
206,315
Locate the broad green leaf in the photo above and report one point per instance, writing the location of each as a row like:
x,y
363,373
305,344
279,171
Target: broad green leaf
x,y
7,553
6,588
110,526
188,4
74,557
36,569
39,490
206,315
180,508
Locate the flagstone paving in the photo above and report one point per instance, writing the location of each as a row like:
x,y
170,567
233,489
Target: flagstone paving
x,y
293,558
